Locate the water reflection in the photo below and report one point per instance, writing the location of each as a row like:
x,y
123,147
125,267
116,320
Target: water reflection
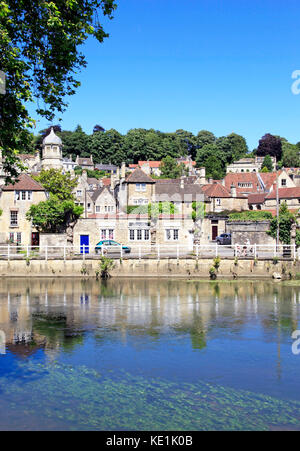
x,y
55,314
185,336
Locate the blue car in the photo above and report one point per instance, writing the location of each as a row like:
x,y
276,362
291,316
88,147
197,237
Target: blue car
x,y
109,244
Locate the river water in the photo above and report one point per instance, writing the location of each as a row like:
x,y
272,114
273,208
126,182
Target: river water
x,y
148,355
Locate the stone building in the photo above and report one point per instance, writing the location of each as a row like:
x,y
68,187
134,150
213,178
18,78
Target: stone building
x,y
85,163
52,152
15,201
221,199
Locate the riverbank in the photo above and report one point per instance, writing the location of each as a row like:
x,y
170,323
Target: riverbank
x,y
163,268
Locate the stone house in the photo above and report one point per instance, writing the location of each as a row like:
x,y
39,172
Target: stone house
x,y
138,189
222,199
104,201
15,201
85,163
289,195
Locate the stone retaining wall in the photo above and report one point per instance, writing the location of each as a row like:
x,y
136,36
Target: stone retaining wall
x,y
184,268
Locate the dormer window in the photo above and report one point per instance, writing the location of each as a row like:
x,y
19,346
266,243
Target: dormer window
x,y
141,187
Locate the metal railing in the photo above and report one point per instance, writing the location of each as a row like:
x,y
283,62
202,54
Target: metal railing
x,y
146,250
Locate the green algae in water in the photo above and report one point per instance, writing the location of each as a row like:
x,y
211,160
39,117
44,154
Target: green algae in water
x,y
84,399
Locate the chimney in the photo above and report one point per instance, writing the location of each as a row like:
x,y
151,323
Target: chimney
x,y
182,183
123,171
84,175
112,182
233,190
202,176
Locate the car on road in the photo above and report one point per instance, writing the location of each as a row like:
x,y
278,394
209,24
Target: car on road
x,y
110,246
224,238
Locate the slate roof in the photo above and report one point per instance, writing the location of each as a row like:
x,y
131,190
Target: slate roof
x,y
24,183
165,192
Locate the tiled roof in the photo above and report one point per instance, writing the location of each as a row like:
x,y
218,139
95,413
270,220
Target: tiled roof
x,y
285,193
139,176
24,183
216,190
243,177
26,156
256,198
152,164
85,161
97,193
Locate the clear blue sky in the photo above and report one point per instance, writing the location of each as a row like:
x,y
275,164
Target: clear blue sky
x,y
219,65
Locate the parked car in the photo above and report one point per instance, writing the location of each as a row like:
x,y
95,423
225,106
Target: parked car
x,y
109,244
224,238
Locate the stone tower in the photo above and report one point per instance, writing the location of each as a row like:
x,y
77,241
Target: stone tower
x,y
52,152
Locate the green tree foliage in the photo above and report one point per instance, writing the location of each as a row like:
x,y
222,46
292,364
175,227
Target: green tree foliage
x,y
153,210
267,163
107,147
39,42
59,184
170,169
290,155
233,146
286,220
251,215
53,215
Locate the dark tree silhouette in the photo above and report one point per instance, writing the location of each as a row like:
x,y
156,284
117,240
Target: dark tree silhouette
x,y
270,145
98,128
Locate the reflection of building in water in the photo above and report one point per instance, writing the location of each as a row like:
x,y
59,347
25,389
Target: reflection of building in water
x,y
55,313
2,342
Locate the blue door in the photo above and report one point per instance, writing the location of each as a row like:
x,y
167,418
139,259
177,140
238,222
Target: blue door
x,y
84,244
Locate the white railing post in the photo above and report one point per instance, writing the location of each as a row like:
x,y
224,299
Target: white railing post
x,y
275,250
8,252
294,251
177,251
46,252
216,249
197,250
83,255
235,250
64,252
121,250
140,252
255,252
158,253
27,251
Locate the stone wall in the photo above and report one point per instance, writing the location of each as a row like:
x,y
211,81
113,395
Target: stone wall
x,y
255,232
166,268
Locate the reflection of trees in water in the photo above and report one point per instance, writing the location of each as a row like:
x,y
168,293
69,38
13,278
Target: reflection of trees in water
x,y
64,308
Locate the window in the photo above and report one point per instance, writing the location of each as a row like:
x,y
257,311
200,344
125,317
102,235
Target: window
x,y
17,195
107,234
89,206
140,187
79,193
283,182
97,209
139,234
218,201
13,218
23,195
11,237
103,234
29,195
172,234
111,234
19,235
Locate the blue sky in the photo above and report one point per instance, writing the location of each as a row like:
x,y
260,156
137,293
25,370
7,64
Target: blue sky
x,y
219,65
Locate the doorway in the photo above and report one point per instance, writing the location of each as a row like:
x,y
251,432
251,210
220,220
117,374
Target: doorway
x,y
35,239
84,244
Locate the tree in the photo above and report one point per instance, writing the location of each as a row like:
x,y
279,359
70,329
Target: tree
x,y
213,159
170,169
39,43
286,220
203,138
54,215
107,147
270,145
98,128
267,163
233,146
59,184
214,167
290,155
